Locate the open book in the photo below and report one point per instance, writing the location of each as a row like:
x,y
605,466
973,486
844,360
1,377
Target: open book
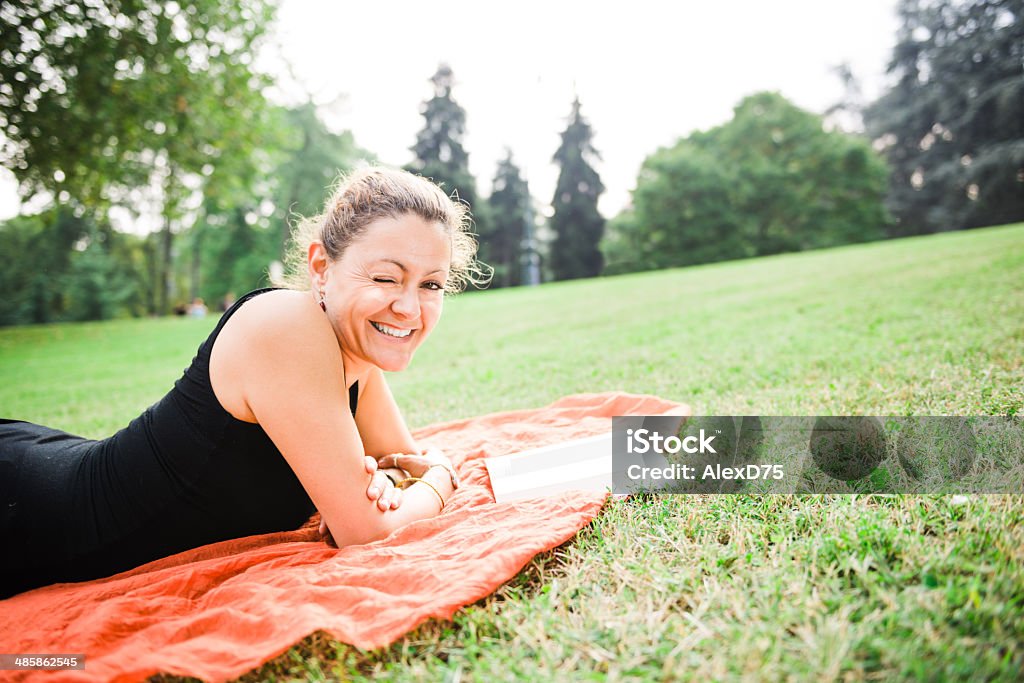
x,y
579,464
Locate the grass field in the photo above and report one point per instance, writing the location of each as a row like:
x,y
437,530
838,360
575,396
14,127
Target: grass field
x,y
770,587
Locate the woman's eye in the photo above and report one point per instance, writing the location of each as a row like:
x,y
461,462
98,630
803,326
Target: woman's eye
x,y
436,286
383,279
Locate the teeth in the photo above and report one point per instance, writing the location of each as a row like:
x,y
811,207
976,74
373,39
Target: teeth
x,y
391,331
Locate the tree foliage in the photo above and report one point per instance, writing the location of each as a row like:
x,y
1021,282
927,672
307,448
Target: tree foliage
x,y
501,246
62,266
311,158
576,222
439,151
770,180
952,125
89,87
99,98
246,219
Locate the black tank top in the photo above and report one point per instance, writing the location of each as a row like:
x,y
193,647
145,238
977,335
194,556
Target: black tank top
x,y
183,474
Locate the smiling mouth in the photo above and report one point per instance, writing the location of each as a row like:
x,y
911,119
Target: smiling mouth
x,y
391,331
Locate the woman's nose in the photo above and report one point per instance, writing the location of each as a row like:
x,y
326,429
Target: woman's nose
x,y
407,304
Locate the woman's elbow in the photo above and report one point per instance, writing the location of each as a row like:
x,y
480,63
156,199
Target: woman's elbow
x,y
360,533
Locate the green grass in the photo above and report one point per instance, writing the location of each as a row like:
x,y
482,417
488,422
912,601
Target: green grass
x,y
718,587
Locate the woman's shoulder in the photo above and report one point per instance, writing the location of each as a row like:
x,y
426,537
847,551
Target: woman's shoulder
x,y
281,320
274,298
279,310
268,339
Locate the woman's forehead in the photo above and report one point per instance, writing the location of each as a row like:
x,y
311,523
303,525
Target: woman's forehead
x,y
407,242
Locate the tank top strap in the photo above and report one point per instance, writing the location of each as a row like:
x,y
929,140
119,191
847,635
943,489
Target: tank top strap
x,y
353,392
235,306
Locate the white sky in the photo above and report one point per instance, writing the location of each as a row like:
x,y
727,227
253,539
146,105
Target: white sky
x,y
647,72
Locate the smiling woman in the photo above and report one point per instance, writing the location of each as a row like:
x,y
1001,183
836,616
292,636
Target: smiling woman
x,y
284,410
388,288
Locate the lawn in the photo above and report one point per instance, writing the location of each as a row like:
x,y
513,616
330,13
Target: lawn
x,y
767,587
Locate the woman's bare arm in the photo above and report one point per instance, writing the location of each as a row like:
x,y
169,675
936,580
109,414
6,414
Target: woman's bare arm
x,y
381,425
293,385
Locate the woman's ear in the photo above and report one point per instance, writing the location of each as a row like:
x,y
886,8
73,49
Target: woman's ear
x,y
317,261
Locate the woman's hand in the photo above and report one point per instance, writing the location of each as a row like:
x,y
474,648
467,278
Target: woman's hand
x,y
417,464
396,474
380,489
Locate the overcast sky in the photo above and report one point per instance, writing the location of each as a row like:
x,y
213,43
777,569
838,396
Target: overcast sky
x,y
646,72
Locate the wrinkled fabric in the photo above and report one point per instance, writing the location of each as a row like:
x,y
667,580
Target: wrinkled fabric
x,y
221,610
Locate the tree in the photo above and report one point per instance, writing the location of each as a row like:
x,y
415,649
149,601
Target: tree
x,y
577,224
770,180
248,210
802,186
439,151
238,246
62,266
683,212
313,157
32,293
102,97
952,124
509,210
97,285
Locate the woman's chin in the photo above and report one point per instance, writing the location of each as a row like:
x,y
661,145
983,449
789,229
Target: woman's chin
x,y
393,364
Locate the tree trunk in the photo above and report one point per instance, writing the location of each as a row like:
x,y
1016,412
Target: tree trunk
x,y
197,244
153,268
165,273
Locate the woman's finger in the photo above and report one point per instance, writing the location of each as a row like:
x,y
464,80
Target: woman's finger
x,y
370,464
414,464
396,459
325,534
388,461
396,499
379,483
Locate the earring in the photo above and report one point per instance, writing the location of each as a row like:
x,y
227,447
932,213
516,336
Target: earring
x,y
323,306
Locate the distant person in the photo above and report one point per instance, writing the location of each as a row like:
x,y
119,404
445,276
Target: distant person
x,y
285,409
198,308
228,301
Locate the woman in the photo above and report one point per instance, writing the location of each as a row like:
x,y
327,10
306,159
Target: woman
x,y
284,410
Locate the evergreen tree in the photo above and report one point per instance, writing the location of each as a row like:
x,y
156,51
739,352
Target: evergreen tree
x,y
952,125
438,149
577,224
508,207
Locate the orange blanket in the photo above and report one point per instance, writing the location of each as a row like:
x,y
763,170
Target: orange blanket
x,y
219,611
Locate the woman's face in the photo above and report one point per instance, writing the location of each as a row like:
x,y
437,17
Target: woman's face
x,y
385,294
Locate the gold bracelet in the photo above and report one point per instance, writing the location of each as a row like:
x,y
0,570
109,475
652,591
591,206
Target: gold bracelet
x,y
405,484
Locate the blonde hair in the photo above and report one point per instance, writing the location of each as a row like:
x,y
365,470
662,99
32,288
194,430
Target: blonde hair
x,y
375,192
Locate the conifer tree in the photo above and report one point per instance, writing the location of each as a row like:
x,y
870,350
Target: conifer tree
x,y
952,125
439,152
577,224
508,207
